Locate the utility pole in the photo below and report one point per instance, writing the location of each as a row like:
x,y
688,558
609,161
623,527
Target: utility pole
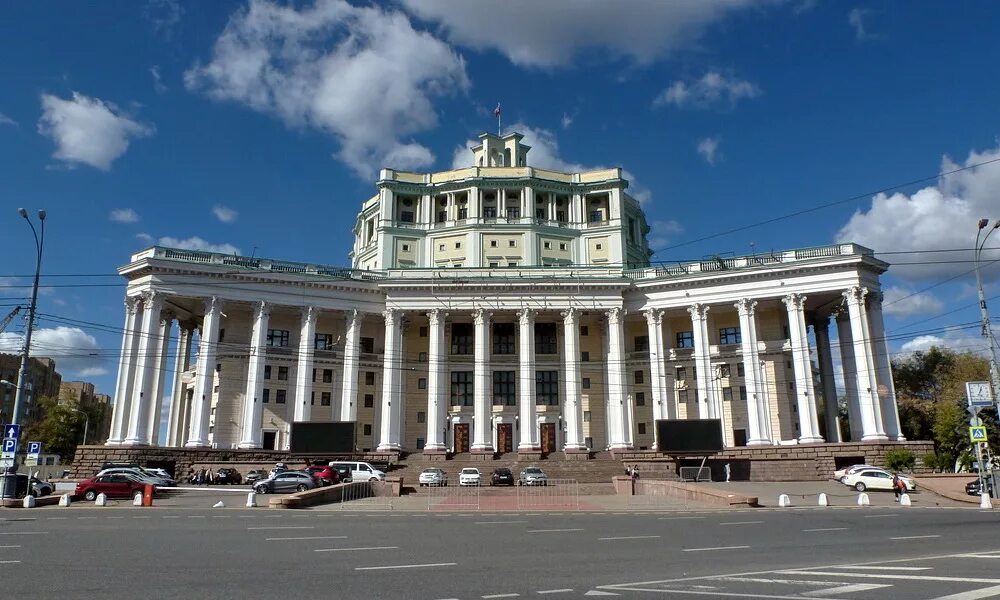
x,y
984,313
22,375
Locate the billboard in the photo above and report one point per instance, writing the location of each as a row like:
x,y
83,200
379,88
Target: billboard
x,y
336,437
689,436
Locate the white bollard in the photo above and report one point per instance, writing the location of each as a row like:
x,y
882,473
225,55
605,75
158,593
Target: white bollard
x,y
863,499
784,501
904,500
219,504
823,501
28,502
102,500
65,500
984,501
137,500
251,500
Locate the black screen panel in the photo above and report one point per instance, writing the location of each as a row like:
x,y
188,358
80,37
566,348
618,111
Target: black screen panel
x,y
689,436
323,438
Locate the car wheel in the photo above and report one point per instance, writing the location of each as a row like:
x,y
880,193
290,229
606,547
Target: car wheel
x,y
302,487
261,489
373,479
90,495
860,486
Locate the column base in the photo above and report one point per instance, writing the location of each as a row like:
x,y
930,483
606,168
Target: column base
x,y
760,442
483,453
113,443
875,437
248,446
197,444
139,443
811,440
576,453
529,454
389,448
900,438
436,453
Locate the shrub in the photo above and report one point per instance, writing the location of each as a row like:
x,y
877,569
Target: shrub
x,y
935,462
900,459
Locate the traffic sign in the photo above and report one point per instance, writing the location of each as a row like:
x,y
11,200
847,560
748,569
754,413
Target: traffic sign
x,y
8,446
12,431
977,434
34,447
7,462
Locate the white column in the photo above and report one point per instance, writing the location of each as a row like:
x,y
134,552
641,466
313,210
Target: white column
x,y
831,407
528,422
757,406
572,411
482,384
657,379
389,422
253,407
805,394
437,370
848,364
864,364
705,394
142,391
304,367
181,364
201,405
160,379
126,373
617,413
886,388
352,348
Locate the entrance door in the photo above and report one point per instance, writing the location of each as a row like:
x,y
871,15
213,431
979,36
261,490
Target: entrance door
x,y
461,437
270,440
505,437
548,437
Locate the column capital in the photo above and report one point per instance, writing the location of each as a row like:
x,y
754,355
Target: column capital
x,y
392,315
436,317
309,315
570,315
151,298
526,316
654,316
615,315
132,304
698,311
354,317
794,301
261,310
213,304
482,316
855,294
746,306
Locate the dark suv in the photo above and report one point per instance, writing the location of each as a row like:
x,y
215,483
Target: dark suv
x,y
228,475
324,475
502,476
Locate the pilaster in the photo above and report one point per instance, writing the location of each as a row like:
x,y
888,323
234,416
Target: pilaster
x,y
201,406
482,441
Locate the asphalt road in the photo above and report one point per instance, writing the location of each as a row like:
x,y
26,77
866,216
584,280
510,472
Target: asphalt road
x,y
848,553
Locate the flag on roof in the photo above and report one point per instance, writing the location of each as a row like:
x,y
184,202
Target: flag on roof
x,y
496,112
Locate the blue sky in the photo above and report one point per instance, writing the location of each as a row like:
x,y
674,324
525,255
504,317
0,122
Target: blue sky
x,y
258,127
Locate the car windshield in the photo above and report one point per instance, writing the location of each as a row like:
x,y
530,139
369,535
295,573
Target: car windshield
x,y
470,471
533,471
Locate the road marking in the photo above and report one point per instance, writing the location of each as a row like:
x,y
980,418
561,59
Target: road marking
x,y
879,516
826,529
714,548
890,576
877,568
14,546
631,537
552,530
600,593
311,537
741,523
283,527
559,591
82,518
196,516
114,517
171,516
497,522
914,537
487,597
58,518
423,566
142,517
677,518
351,549
846,589
9,562
24,532
988,592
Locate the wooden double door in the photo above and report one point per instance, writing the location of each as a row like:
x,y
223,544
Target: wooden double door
x,y
547,435
461,433
505,437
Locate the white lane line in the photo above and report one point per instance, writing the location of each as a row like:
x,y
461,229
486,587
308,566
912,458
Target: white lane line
x,y
114,517
283,527
825,529
12,546
353,549
914,537
741,523
879,516
846,589
877,568
488,596
631,537
496,522
310,537
559,591
988,592
552,530
714,548
83,518
24,532
907,577
142,517
9,562
423,566
678,518
171,516
58,518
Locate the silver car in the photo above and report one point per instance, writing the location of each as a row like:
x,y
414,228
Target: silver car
x,y
533,476
285,481
433,476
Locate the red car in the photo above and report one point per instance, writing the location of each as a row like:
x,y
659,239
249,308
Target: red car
x,y
324,475
115,485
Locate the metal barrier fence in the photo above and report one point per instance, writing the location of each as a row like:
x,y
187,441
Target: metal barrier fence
x,y
362,495
696,474
452,498
640,501
556,493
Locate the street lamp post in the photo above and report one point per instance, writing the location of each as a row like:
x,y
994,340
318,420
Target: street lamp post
x,y
984,313
22,375
86,424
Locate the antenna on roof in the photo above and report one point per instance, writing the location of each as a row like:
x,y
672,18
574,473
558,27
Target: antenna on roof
x,y
496,112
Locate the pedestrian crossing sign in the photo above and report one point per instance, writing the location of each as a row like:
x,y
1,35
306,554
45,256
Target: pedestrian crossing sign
x,y
977,433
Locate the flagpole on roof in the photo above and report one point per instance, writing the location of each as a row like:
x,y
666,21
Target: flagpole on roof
x,y
497,111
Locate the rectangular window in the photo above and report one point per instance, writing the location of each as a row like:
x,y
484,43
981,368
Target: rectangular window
x,y
682,396
279,396
463,213
511,244
440,247
493,243
267,371
727,394
422,332
641,429
724,370
596,216
368,429
314,376
369,377
421,442
586,383
461,338
222,334
512,264
266,396
743,393
640,398
740,369
406,247
494,265
642,343
585,357
681,373
458,245
282,373
422,383
369,400
561,216
327,375
539,213
218,368
503,338
421,417
323,341
586,416
547,245
600,246
277,338
513,213
324,399
421,357
562,246
547,388
504,388
584,331
685,339
442,216
639,377
729,335
490,212
406,216
545,338
461,388
368,345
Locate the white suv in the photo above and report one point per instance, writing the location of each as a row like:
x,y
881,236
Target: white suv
x,y
469,476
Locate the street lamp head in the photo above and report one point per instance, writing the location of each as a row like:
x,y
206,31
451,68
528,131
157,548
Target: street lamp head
x,y
22,212
983,223
41,215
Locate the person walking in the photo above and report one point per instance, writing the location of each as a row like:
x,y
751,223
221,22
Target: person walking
x,y
898,486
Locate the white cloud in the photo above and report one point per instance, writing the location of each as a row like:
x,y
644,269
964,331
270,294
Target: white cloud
x,y
713,89
567,120
144,237
708,148
88,130
74,350
663,232
902,302
958,340
196,243
856,19
158,84
124,215
164,15
552,34
224,213
362,74
5,120
942,216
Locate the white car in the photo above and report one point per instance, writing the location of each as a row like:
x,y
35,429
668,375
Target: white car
x,y
433,476
839,474
875,479
469,476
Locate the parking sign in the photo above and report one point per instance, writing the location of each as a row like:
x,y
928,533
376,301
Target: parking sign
x,y
34,447
8,446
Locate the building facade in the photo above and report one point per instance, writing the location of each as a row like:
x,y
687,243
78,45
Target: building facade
x,y
43,380
502,308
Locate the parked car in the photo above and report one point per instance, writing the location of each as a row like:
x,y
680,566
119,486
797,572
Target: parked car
x,y
974,488
285,481
228,475
433,476
138,473
360,471
23,483
254,475
324,475
875,479
839,474
469,476
158,472
39,487
112,485
533,476
344,471
502,476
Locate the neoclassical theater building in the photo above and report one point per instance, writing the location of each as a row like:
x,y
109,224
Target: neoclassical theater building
x,y
502,308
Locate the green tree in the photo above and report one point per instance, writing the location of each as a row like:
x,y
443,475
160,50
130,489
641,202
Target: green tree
x,y
59,429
